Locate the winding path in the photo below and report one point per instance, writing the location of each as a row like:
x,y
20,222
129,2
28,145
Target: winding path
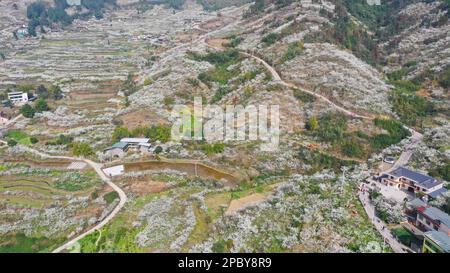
x,y
98,169
415,139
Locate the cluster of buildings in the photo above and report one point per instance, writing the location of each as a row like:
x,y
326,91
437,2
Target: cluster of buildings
x,y
125,145
430,225
433,225
413,182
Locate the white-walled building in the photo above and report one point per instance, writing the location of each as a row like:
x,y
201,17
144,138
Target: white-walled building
x,y
18,97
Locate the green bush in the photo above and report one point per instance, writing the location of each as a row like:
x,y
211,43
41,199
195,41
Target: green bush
x,y
352,148
12,142
294,49
82,149
110,197
215,148
27,111
271,38
331,127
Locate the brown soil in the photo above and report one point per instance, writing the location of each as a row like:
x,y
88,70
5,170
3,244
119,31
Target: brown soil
x,y
246,201
142,188
140,118
218,43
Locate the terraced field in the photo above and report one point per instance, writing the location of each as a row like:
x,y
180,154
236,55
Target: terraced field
x,y
42,206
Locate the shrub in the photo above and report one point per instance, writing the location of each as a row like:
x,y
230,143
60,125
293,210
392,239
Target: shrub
x,y
215,148
293,51
34,140
81,149
110,197
41,106
27,111
352,148
12,142
331,127
158,150
311,124
271,38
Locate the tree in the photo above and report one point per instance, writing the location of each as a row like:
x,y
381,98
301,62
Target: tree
x,y
34,140
311,124
42,91
12,143
119,133
41,106
27,111
81,149
55,92
158,150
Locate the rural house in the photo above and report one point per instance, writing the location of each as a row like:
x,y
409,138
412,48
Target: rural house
x,y
412,181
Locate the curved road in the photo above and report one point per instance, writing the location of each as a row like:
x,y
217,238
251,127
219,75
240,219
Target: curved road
x,y
415,138
98,169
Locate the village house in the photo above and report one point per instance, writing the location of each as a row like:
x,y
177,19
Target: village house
x,y
433,226
412,181
120,149
427,218
436,242
18,97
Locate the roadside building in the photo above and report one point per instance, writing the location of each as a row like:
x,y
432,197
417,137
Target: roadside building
x,y
135,144
436,242
431,218
18,97
427,218
117,150
412,181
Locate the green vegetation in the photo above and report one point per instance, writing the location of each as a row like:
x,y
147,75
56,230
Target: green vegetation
x,y
404,236
352,148
331,127
212,5
220,74
396,132
442,171
110,197
234,42
155,133
410,107
41,15
81,149
61,140
294,49
18,136
303,96
215,148
27,111
53,92
444,78
41,106
76,181
271,38
255,9
311,124
320,161
21,243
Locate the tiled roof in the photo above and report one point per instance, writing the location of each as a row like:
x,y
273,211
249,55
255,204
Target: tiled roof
x,y
435,194
424,180
440,238
135,140
437,214
416,203
119,145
